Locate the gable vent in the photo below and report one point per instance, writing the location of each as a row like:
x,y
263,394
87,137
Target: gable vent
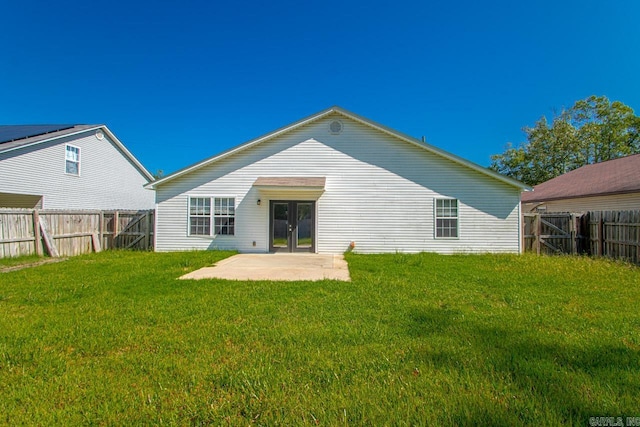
x,y
335,127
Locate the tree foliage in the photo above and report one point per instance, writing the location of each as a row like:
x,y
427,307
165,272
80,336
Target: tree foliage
x,y
593,130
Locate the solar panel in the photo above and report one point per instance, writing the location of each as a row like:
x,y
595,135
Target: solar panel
x,y
12,132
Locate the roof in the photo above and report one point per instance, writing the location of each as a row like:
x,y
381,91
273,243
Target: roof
x,y
611,177
12,132
14,137
352,116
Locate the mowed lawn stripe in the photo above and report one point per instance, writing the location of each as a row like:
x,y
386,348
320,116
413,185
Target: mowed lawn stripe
x,y
425,339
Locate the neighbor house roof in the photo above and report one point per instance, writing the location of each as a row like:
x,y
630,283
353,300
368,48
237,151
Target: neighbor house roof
x,y
14,137
611,177
352,116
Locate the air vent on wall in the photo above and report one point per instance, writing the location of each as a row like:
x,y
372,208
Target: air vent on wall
x,y
335,127
99,134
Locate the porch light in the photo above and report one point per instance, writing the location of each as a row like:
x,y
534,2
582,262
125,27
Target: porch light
x,y
259,202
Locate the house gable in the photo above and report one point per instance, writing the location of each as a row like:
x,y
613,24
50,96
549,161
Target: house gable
x,y
338,114
109,177
379,191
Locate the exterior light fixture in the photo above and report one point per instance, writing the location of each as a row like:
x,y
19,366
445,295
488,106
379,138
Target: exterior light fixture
x,y
259,202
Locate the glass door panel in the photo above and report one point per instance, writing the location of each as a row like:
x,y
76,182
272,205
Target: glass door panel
x,y
292,226
280,225
304,225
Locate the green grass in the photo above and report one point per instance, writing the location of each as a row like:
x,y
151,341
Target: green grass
x,y
113,338
280,241
14,261
305,241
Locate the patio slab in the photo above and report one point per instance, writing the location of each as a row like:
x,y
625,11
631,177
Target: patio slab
x,y
277,267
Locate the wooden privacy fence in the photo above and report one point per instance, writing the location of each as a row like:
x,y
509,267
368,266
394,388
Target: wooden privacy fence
x,y
68,233
614,234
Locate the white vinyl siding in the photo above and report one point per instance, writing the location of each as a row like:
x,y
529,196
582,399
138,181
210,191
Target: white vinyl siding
x,y
108,179
380,193
72,160
446,219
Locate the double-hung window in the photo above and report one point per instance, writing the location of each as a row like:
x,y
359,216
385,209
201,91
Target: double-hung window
x,y
203,220
446,218
72,160
224,215
200,216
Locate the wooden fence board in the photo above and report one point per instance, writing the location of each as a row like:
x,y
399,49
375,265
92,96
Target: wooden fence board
x,y
71,233
614,234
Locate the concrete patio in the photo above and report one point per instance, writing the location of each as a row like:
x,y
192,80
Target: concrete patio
x,y
277,267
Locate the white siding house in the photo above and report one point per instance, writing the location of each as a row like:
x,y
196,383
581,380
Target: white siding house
x,y
332,179
69,167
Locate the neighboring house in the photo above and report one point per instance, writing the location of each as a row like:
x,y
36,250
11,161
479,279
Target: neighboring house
x,y
69,167
335,178
611,185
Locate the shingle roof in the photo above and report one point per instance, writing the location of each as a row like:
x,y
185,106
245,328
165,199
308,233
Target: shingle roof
x,y
13,136
610,177
290,181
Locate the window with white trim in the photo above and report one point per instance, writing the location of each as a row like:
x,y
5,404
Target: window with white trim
x,y
72,160
224,215
200,216
446,218
203,220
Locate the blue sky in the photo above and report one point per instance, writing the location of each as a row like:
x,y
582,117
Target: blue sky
x,y
181,81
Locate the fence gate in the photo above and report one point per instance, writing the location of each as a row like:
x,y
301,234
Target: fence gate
x,y
550,233
135,230
614,234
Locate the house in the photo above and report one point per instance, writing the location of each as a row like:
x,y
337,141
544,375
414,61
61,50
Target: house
x,y
335,180
69,167
610,185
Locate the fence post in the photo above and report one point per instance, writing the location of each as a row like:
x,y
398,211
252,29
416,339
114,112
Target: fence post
x,y
36,232
538,232
116,228
601,234
101,229
574,241
147,230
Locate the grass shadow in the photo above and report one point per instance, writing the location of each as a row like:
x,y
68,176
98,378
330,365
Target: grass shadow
x,y
547,376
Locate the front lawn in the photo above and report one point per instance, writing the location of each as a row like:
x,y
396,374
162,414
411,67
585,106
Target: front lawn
x,y
114,338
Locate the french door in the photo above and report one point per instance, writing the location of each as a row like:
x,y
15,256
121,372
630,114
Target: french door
x,y
292,226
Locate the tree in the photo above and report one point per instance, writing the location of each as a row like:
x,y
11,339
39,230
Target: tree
x,y
593,130
158,174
